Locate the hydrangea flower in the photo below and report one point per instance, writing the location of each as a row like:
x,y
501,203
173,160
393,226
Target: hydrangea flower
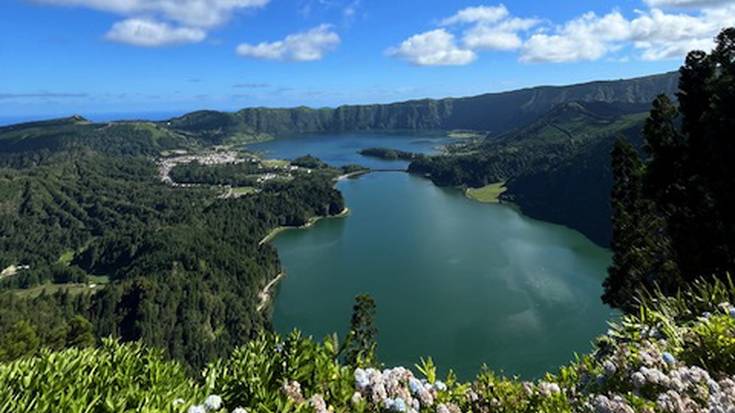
x,y
196,409
610,368
668,358
361,378
415,385
213,402
440,386
399,405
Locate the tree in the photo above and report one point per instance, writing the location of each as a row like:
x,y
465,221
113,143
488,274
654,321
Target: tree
x,y
625,273
674,216
19,341
360,345
81,333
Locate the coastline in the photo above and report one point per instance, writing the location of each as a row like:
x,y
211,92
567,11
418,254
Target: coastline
x,y
313,220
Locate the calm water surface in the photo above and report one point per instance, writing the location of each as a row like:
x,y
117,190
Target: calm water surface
x,y
463,282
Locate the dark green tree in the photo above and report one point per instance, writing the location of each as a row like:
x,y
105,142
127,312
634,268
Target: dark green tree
x,y
625,274
81,333
674,221
19,341
361,344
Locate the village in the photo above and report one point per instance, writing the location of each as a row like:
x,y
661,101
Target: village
x,y
272,169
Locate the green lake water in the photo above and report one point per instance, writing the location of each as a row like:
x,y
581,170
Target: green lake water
x,y
465,283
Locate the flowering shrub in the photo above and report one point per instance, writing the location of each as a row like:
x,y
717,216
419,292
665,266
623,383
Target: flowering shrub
x,y
673,357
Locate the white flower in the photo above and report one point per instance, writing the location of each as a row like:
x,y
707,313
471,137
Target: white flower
x,y
240,410
440,386
197,409
213,402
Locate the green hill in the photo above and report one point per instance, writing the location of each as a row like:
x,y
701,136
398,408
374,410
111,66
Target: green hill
x,y
493,112
556,168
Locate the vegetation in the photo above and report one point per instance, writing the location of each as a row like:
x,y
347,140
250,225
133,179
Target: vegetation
x,y
674,213
489,194
239,174
674,352
390,154
184,267
496,112
555,168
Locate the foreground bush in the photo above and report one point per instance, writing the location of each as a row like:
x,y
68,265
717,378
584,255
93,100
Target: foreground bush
x,y
676,356
112,378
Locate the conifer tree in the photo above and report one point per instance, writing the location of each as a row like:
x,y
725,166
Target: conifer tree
x,y
361,343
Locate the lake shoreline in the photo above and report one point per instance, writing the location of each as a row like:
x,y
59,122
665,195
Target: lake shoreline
x,y
310,223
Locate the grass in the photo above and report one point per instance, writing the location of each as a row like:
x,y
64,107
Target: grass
x,y
244,190
73,289
488,194
66,257
275,163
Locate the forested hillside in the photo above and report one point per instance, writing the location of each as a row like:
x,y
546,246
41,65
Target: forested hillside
x,y
495,113
84,212
556,168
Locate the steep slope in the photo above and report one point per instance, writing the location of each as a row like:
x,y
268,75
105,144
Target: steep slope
x,y
556,168
494,112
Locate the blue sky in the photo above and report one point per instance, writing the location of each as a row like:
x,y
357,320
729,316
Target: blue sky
x,y
100,56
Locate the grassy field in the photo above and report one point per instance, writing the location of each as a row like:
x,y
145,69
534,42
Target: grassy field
x,y
489,194
66,258
275,163
243,190
97,280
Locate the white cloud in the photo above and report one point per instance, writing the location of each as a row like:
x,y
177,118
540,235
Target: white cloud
x,y
434,48
657,34
588,37
197,13
300,47
664,36
150,33
688,3
500,36
481,14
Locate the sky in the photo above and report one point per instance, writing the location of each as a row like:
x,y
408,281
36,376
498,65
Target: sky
x,y
62,57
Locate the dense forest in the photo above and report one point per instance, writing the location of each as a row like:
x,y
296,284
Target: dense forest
x,y
390,154
178,268
556,168
674,209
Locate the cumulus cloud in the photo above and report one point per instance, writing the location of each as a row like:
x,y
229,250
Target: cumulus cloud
x,y
588,37
434,48
150,33
655,33
482,28
300,47
663,36
688,3
652,34
501,36
481,14
163,22
197,13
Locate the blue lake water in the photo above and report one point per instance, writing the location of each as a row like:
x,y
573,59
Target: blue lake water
x,y
465,283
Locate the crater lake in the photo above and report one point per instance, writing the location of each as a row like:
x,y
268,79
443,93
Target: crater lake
x,y
462,282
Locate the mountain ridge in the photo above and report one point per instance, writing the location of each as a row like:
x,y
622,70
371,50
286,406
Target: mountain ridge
x,y
491,112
